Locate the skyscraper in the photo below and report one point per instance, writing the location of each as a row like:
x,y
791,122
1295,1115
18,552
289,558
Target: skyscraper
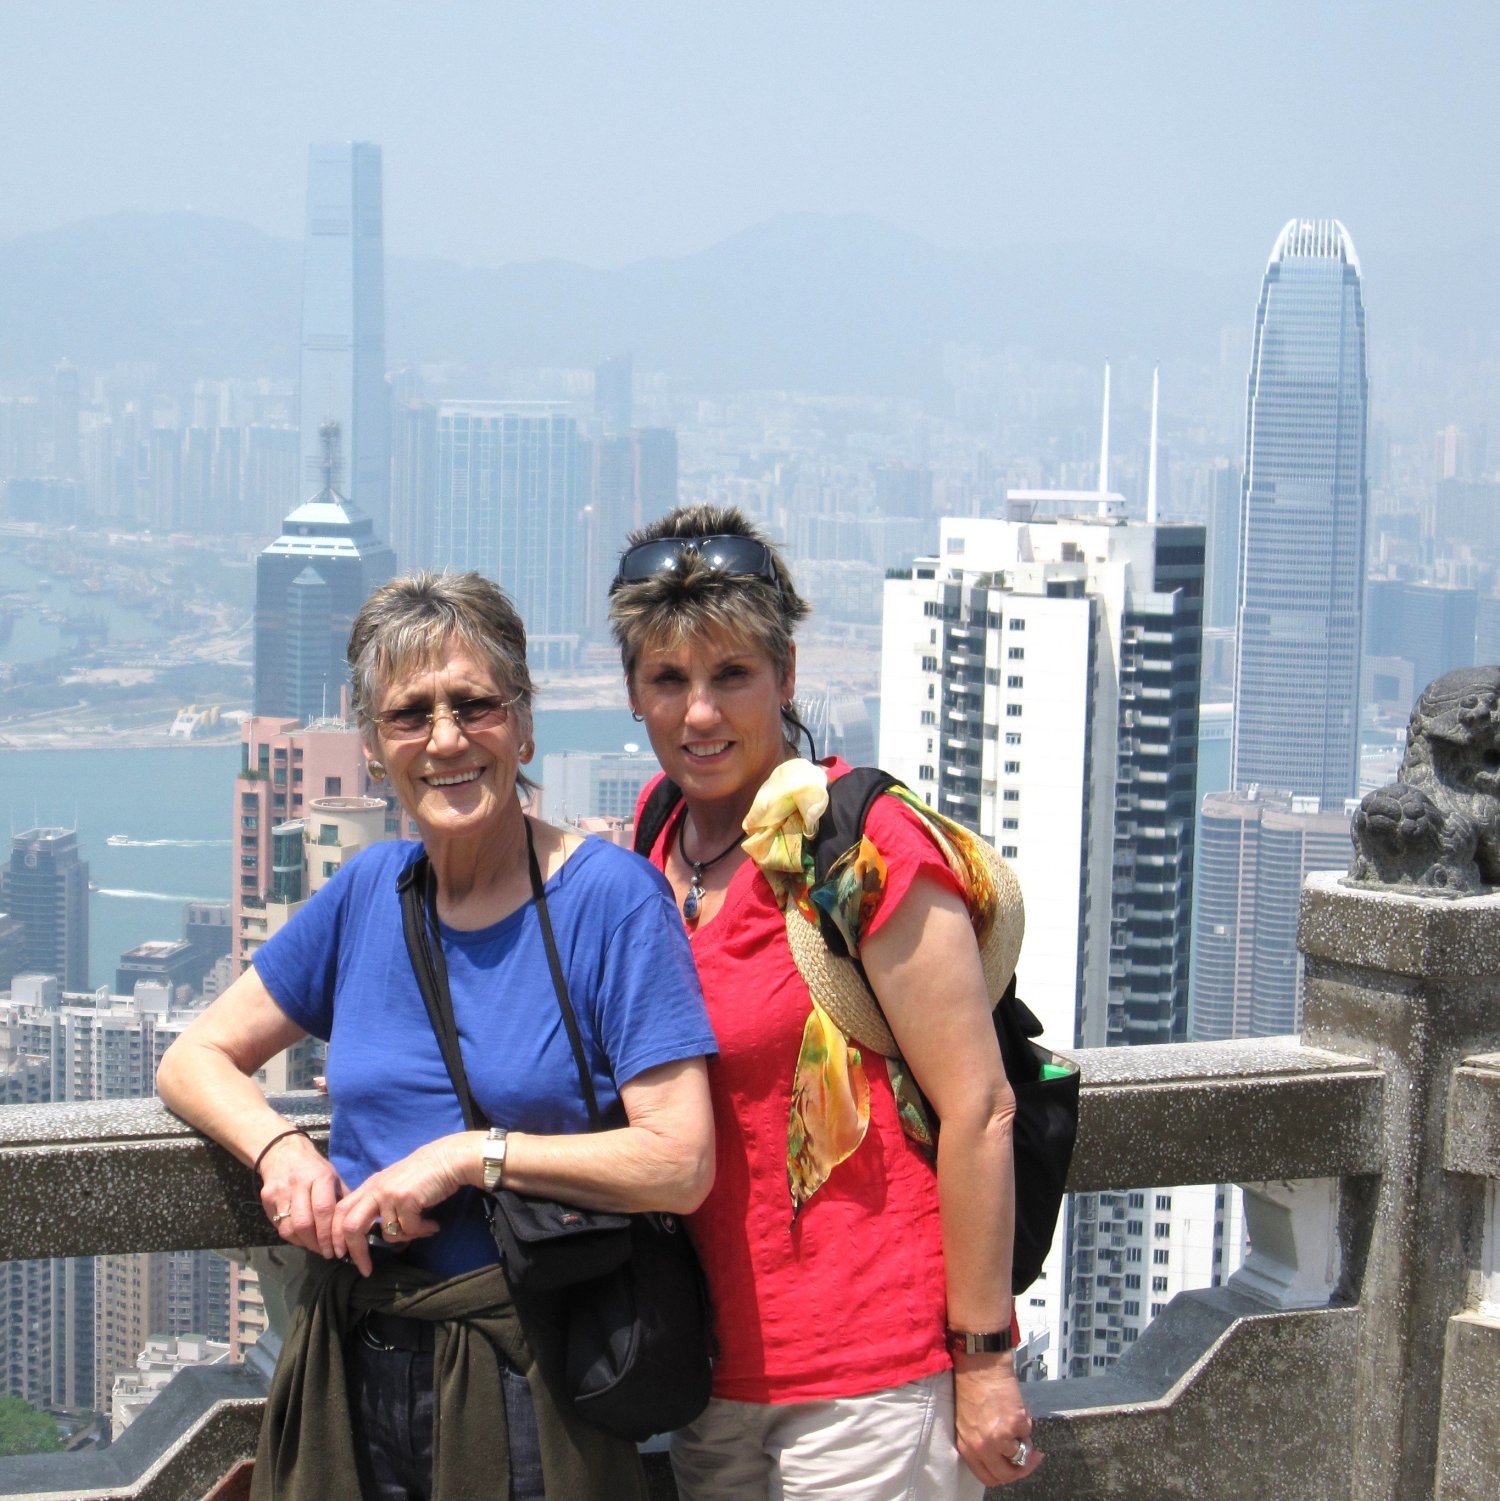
x,y
309,585
1302,521
512,483
85,1317
343,322
1039,684
1255,849
46,889
614,400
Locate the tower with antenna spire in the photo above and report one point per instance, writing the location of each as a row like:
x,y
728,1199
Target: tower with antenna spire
x,y
1039,684
309,584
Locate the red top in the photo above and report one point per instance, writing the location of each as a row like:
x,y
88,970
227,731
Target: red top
x,y
850,1299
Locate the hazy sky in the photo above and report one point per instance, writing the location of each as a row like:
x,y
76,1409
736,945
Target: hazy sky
x,y
607,132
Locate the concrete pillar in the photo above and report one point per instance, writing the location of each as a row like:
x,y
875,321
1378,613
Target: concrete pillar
x,y
1412,984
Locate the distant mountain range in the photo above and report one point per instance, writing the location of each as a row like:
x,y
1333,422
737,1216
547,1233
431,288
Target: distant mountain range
x,y
809,302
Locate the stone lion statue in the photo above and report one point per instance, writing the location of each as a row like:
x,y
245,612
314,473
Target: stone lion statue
x,y
1436,829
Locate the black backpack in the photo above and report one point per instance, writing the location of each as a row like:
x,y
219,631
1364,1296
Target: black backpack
x,y
1045,1086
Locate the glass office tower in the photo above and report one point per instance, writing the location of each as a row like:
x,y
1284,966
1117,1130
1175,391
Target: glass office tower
x,y
343,326
1302,522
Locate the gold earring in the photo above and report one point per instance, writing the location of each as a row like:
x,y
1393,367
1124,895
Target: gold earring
x,y
377,771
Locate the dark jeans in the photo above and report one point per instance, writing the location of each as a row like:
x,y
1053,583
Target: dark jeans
x,y
390,1395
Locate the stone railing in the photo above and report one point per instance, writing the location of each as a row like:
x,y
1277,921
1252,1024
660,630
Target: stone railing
x,y
1354,1356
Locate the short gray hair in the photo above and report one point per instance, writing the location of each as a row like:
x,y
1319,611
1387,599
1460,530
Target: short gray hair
x,y
417,618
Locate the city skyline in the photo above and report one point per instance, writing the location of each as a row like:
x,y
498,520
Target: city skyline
x,y
969,479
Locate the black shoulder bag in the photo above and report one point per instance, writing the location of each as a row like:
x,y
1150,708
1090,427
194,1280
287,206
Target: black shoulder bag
x,y
637,1313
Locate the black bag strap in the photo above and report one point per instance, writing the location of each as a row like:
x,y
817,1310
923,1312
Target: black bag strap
x,y
658,808
418,891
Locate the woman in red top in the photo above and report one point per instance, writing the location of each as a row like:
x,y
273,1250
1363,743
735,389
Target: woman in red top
x,y
861,1282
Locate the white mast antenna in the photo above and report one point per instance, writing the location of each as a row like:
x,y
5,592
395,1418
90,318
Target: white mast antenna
x,y
1151,464
1104,447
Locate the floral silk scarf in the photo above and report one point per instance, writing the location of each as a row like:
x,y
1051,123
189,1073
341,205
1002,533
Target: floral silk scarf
x,y
830,1109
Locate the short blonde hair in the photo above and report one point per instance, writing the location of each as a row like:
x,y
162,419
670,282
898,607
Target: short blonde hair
x,y
694,599
416,619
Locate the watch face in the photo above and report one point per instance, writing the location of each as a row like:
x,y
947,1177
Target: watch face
x,y
493,1154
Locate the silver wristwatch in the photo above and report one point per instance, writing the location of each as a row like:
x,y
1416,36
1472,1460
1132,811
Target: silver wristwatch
x,y
493,1153
991,1342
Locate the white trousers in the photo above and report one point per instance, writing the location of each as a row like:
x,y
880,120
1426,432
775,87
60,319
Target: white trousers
x,y
892,1445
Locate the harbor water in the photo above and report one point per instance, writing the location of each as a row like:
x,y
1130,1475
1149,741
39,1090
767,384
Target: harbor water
x,y
154,824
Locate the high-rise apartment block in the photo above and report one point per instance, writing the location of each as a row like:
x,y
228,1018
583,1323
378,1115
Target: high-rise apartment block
x,y
343,323
46,889
632,480
306,853
86,1318
512,483
1430,625
284,768
1039,684
1302,521
413,482
614,394
309,585
1255,849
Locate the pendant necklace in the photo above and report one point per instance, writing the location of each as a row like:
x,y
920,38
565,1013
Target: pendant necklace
x,y
694,899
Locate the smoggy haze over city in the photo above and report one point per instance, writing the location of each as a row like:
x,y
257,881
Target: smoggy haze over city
x,y
602,134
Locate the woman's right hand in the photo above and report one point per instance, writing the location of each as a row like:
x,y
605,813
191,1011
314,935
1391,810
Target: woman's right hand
x,y
299,1192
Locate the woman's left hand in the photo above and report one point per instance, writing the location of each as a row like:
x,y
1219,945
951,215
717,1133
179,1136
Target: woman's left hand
x,y
990,1419
394,1202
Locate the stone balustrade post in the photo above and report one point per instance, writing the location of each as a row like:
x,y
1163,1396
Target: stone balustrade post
x,y
1412,984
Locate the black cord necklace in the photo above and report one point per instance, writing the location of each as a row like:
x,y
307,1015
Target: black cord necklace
x,y
694,899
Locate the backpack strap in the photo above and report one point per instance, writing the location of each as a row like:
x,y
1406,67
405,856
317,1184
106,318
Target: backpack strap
x,y
850,798
658,808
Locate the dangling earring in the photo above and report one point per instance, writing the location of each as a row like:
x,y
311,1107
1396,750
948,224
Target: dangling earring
x,y
377,771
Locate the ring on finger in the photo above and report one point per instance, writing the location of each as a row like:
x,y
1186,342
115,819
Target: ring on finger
x,y
392,1227
1022,1450
285,1212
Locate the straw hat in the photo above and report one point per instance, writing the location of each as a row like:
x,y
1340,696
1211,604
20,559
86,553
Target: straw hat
x,y
838,988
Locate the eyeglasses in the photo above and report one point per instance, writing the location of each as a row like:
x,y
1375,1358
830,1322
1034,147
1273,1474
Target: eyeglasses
x,y
744,557
468,715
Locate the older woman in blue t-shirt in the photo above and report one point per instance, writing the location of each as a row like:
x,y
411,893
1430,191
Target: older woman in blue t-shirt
x,y
443,698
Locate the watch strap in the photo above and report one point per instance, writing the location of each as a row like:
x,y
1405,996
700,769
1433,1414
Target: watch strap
x,y
989,1342
493,1153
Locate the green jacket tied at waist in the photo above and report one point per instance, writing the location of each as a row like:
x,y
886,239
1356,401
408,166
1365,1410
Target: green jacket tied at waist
x,y
306,1448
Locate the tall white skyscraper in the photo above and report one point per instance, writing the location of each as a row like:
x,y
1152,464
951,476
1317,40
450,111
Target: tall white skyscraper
x,y
1039,684
343,325
1302,521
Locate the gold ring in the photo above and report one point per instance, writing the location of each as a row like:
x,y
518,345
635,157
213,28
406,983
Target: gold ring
x,y
391,1228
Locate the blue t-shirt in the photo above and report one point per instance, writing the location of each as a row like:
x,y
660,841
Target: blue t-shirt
x,y
340,971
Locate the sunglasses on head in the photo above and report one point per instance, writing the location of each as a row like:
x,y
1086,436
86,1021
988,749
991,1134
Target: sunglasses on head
x,y
744,557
